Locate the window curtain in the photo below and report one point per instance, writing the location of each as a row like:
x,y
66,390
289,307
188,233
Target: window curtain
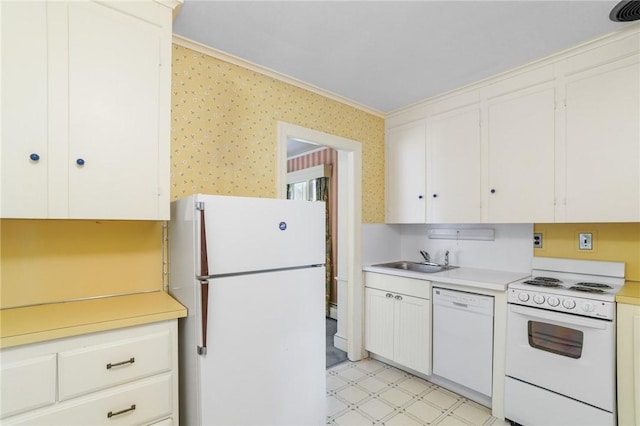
x,y
322,194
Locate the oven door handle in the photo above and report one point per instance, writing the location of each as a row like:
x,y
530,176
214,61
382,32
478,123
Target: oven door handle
x,y
552,316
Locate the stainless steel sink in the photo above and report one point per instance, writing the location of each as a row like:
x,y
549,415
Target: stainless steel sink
x,y
416,266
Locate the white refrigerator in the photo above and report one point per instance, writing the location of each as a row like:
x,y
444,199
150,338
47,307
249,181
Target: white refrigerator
x,y
250,272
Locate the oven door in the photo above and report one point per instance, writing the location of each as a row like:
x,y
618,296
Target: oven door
x,y
564,353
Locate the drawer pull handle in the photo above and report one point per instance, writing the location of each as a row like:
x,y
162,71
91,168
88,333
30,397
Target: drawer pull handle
x,y
117,413
118,364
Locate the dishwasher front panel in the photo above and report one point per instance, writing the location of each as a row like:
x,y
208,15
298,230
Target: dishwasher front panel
x,y
463,339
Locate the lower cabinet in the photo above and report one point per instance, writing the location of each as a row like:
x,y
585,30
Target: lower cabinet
x,y
628,330
398,320
116,377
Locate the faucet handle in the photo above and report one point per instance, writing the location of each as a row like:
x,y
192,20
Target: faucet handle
x,y
425,255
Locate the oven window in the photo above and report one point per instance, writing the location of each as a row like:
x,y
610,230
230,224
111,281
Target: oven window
x,y
553,338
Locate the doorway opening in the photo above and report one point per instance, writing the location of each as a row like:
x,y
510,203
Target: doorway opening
x,y
350,327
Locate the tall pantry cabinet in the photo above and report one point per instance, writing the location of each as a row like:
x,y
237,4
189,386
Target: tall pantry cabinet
x,y
85,109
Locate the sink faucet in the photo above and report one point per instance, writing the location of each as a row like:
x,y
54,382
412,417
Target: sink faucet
x,y
425,255
446,258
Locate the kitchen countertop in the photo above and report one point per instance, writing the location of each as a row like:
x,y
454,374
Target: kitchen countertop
x,y
630,293
471,277
31,324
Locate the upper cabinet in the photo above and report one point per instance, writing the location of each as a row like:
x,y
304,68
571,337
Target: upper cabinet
x,y
602,128
406,168
554,141
520,143
85,110
453,162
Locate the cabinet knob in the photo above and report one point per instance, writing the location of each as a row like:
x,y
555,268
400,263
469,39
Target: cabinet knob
x,y
80,162
419,197
435,195
398,297
388,295
34,157
493,191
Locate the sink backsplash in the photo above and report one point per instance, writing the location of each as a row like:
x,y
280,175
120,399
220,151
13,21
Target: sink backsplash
x,y
512,249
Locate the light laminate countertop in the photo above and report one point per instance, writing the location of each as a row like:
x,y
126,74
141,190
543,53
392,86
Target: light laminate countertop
x,y
31,324
470,277
630,293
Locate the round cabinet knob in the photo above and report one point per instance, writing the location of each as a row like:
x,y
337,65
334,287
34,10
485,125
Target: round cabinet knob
x,y
539,299
523,297
398,297
80,162
493,191
420,197
568,303
588,307
435,195
34,157
553,301
388,295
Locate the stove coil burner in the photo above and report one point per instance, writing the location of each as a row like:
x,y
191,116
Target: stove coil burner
x,y
542,283
594,285
547,279
587,289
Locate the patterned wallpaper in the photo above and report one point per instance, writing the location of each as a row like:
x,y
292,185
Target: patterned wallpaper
x,y
224,130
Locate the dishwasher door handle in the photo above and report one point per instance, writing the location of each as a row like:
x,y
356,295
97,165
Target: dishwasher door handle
x,y
462,305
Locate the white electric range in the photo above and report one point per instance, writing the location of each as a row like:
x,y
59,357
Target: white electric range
x,y
560,356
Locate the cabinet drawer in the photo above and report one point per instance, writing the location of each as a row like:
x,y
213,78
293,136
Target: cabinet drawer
x,y
27,384
396,284
96,367
141,402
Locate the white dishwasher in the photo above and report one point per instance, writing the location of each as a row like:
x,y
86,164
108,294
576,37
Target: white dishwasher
x,y
463,339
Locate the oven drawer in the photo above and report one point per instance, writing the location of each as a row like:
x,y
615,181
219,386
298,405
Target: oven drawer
x,y
567,354
533,406
88,369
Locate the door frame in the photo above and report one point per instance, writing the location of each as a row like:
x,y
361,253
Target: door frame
x,y
349,229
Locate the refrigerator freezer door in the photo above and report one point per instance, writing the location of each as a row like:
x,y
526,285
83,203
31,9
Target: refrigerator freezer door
x,y
257,234
265,362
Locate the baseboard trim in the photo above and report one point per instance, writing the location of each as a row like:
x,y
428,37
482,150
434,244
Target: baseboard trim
x,y
333,311
340,342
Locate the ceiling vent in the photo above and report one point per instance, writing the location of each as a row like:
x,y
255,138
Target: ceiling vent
x,y
626,11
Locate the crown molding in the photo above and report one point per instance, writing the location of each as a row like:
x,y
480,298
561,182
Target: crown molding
x,y
218,54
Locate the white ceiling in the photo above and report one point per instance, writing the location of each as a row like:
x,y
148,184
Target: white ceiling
x,y
388,54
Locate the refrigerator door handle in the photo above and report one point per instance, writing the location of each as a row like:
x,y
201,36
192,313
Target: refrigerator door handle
x,y
204,283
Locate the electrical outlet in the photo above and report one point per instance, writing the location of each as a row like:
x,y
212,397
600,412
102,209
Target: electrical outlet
x,y
585,241
537,240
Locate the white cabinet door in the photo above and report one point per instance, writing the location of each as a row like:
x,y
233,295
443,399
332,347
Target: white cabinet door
x,y
379,325
454,166
24,155
521,143
412,333
405,177
603,143
114,73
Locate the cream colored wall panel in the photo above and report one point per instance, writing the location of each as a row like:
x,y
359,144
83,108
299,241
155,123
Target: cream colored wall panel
x,y
24,154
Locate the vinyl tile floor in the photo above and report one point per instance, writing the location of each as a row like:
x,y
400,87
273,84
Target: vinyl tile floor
x,y
369,392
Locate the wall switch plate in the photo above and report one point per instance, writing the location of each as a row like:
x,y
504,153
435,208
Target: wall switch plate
x,y
585,241
537,240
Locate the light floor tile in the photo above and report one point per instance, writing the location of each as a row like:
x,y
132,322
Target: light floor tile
x,y
352,418
402,420
473,412
352,394
441,398
376,409
372,384
414,385
334,406
369,392
425,412
395,396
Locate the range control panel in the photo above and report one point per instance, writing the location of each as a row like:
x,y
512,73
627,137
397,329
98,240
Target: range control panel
x,y
562,303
